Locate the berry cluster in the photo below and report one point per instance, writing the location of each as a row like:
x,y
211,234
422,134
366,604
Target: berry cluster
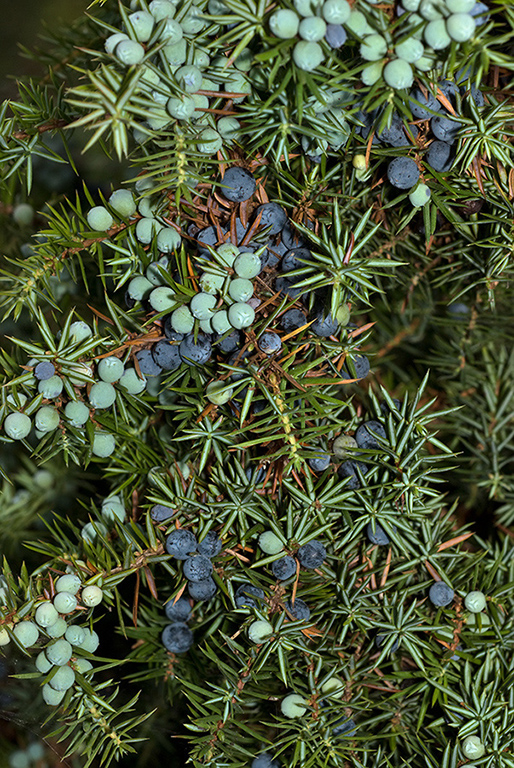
x,y
58,661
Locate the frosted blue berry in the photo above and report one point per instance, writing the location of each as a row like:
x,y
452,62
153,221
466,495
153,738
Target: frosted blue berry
x,y
312,555
319,463
238,184
181,543
197,567
377,535
292,320
44,370
211,545
270,343
365,435
161,513
444,128
324,325
423,106
179,610
441,594
167,355
147,364
177,637
299,610
195,353
346,726
17,426
284,568
246,594
403,172
103,445
77,413
284,23
336,35
381,639
99,218
202,590
439,156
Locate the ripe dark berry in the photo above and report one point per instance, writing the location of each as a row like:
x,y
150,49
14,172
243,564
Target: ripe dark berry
x,y
166,355
336,35
356,368
346,726
227,344
159,513
284,568
291,238
177,637
299,610
349,469
207,236
197,568
293,319
403,172
364,437
312,554
385,408
195,353
440,594
270,342
378,536
211,545
272,215
238,184
265,760
291,259
202,590
439,156
319,463
245,594
44,370
444,128
147,364
287,286
324,325
169,331
181,543
179,611
381,638
427,104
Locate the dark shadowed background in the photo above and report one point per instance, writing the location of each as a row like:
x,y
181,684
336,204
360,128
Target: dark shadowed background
x,y
21,23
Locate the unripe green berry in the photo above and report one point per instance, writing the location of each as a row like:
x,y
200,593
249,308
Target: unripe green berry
x,y
141,23
4,637
110,369
92,596
284,23
398,74
129,52
218,392
312,29
420,196
91,641
58,629
82,666
27,633
103,445
51,696
270,543
473,747
461,27
46,614
80,331
75,634
260,631
59,652
334,687
99,219
62,679
42,663
475,601
68,582
65,602
132,383
122,200
102,395
17,426
293,705
307,56
23,214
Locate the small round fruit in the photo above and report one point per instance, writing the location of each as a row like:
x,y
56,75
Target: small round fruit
x,y
440,594
247,265
270,343
189,78
42,663
461,27
312,29
112,41
146,229
372,73
373,48
182,320
82,666
228,127
129,52
398,74
238,184
336,11
293,705
240,289
102,395
51,388
475,601
436,35
284,24
51,696
113,510
168,240
264,760
141,24
473,747
47,419
241,315
209,141
99,219
307,56
92,596
131,382
420,196
58,629
59,652
197,567
75,634
202,306
110,369
181,107
218,393
103,445
44,370
4,637
63,678
410,50
284,568
122,200
181,543
270,543
220,322
91,641
139,287
65,602
260,631
77,413
17,426
403,172
211,545
80,331
312,555
46,614
27,633
177,637
334,687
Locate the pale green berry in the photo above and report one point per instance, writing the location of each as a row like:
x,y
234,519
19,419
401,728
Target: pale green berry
x,y
65,602
398,74
82,666
81,375
260,631
431,9
460,6
220,322
284,24
420,196
75,634
110,369
113,511
122,200
91,641
102,395
343,314
80,331
475,601
182,320
312,29
307,56
23,214
334,687
201,104
103,444
357,24
51,388
89,531
240,289
68,582
228,127
359,162
162,9
141,23
227,253
51,696
241,315
193,22
4,637
77,413
270,543
412,5
202,306
146,229
163,299
473,747
479,622
112,41
461,27
373,48
131,382
343,446
35,751
212,283
63,678
307,7
17,426
181,107
189,78
42,663
410,50
218,392
436,35
209,141
247,265
92,596
425,64
336,11
168,240
58,629
372,73
201,58
293,705
46,419
99,219
175,52
46,614
59,652
139,287
27,633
